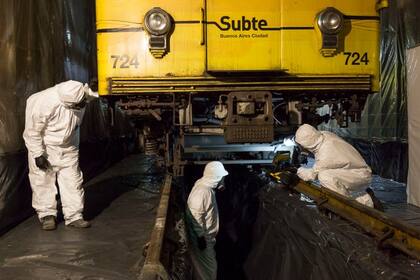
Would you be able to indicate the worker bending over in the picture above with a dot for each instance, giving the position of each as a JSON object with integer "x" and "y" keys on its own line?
{"x": 203, "y": 221}
{"x": 51, "y": 135}
{"x": 338, "y": 165}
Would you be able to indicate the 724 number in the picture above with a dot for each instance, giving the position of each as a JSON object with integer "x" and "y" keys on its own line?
{"x": 355, "y": 58}
{"x": 124, "y": 61}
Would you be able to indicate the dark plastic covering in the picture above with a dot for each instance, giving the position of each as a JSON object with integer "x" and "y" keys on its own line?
{"x": 43, "y": 43}
{"x": 268, "y": 232}
{"x": 410, "y": 11}
{"x": 291, "y": 240}
{"x": 387, "y": 159}
{"x": 122, "y": 204}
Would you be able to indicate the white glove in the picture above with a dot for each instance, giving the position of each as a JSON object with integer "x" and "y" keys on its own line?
{"x": 306, "y": 174}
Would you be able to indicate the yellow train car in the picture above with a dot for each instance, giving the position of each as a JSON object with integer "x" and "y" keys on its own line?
{"x": 248, "y": 68}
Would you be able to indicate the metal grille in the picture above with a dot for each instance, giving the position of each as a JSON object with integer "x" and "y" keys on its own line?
{"x": 249, "y": 134}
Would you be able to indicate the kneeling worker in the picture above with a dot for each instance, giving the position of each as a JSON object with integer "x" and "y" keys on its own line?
{"x": 338, "y": 165}
{"x": 51, "y": 135}
{"x": 203, "y": 221}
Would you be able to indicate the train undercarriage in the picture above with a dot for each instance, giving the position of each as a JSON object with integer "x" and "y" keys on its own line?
{"x": 193, "y": 121}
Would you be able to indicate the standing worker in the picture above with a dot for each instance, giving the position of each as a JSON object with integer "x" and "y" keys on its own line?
{"x": 203, "y": 218}
{"x": 338, "y": 165}
{"x": 51, "y": 135}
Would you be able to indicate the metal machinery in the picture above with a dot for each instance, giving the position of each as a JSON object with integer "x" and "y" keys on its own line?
{"x": 217, "y": 80}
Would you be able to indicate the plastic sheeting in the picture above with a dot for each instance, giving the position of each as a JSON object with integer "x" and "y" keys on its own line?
{"x": 291, "y": 240}
{"x": 268, "y": 233}
{"x": 15, "y": 195}
{"x": 410, "y": 11}
{"x": 30, "y": 61}
{"x": 413, "y": 69}
{"x": 43, "y": 43}
{"x": 385, "y": 113}
{"x": 387, "y": 159}
{"x": 384, "y": 119}
{"x": 122, "y": 203}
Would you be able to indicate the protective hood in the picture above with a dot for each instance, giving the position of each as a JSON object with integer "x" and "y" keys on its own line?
{"x": 308, "y": 137}
{"x": 213, "y": 173}
{"x": 71, "y": 92}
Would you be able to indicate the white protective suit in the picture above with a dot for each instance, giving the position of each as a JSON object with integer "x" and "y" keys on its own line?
{"x": 338, "y": 165}
{"x": 52, "y": 130}
{"x": 203, "y": 220}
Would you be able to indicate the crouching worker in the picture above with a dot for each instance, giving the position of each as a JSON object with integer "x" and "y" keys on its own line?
{"x": 203, "y": 221}
{"x": 51, "y": 135}
{"x": 338, "y": 165}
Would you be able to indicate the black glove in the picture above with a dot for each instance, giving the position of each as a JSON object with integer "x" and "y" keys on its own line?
{"x": 291, "y": 169}
{"x": 42, "y": 163}
{"x": 289, "y": 179}
{"x": 202, "y": 244}
{"x": 302, "y": 158}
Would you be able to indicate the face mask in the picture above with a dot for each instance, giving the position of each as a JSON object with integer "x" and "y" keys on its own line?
{"x": 221, "y": 185}
{"x": 78, "y": 106}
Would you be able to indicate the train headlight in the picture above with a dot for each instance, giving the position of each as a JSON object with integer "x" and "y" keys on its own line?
{"x": 157, "y": 22}
{"x": 330, "y": 21}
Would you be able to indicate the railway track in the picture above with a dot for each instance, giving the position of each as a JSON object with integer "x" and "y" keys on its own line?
{"x": 153, "y": 268}
{"x": 388, "y": 231}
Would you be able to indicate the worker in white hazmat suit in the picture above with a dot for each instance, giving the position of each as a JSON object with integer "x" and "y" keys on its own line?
{"x": 203, "y": 220}
{"x": 51, "y": 135}
{"x": 338, "y": 165}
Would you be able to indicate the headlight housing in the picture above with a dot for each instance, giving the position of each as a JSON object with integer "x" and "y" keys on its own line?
{"x": 157, "y": 22}
{"x": 330, "y": 21}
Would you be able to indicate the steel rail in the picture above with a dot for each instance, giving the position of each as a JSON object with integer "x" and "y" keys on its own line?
{"x": 388, "y": 230}
{"x": 153, "y": 268}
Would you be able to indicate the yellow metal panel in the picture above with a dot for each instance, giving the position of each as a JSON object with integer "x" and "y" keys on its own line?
{"x": 249, "y": 48}
{"x": 289, "y": 39}
{"x": 359, "y": 43}
{"x": 123, "y": 43}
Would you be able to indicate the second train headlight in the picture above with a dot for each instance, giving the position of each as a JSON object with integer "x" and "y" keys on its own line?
{"x": 157, "y": 21}
{"x": 330, "y": 21}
